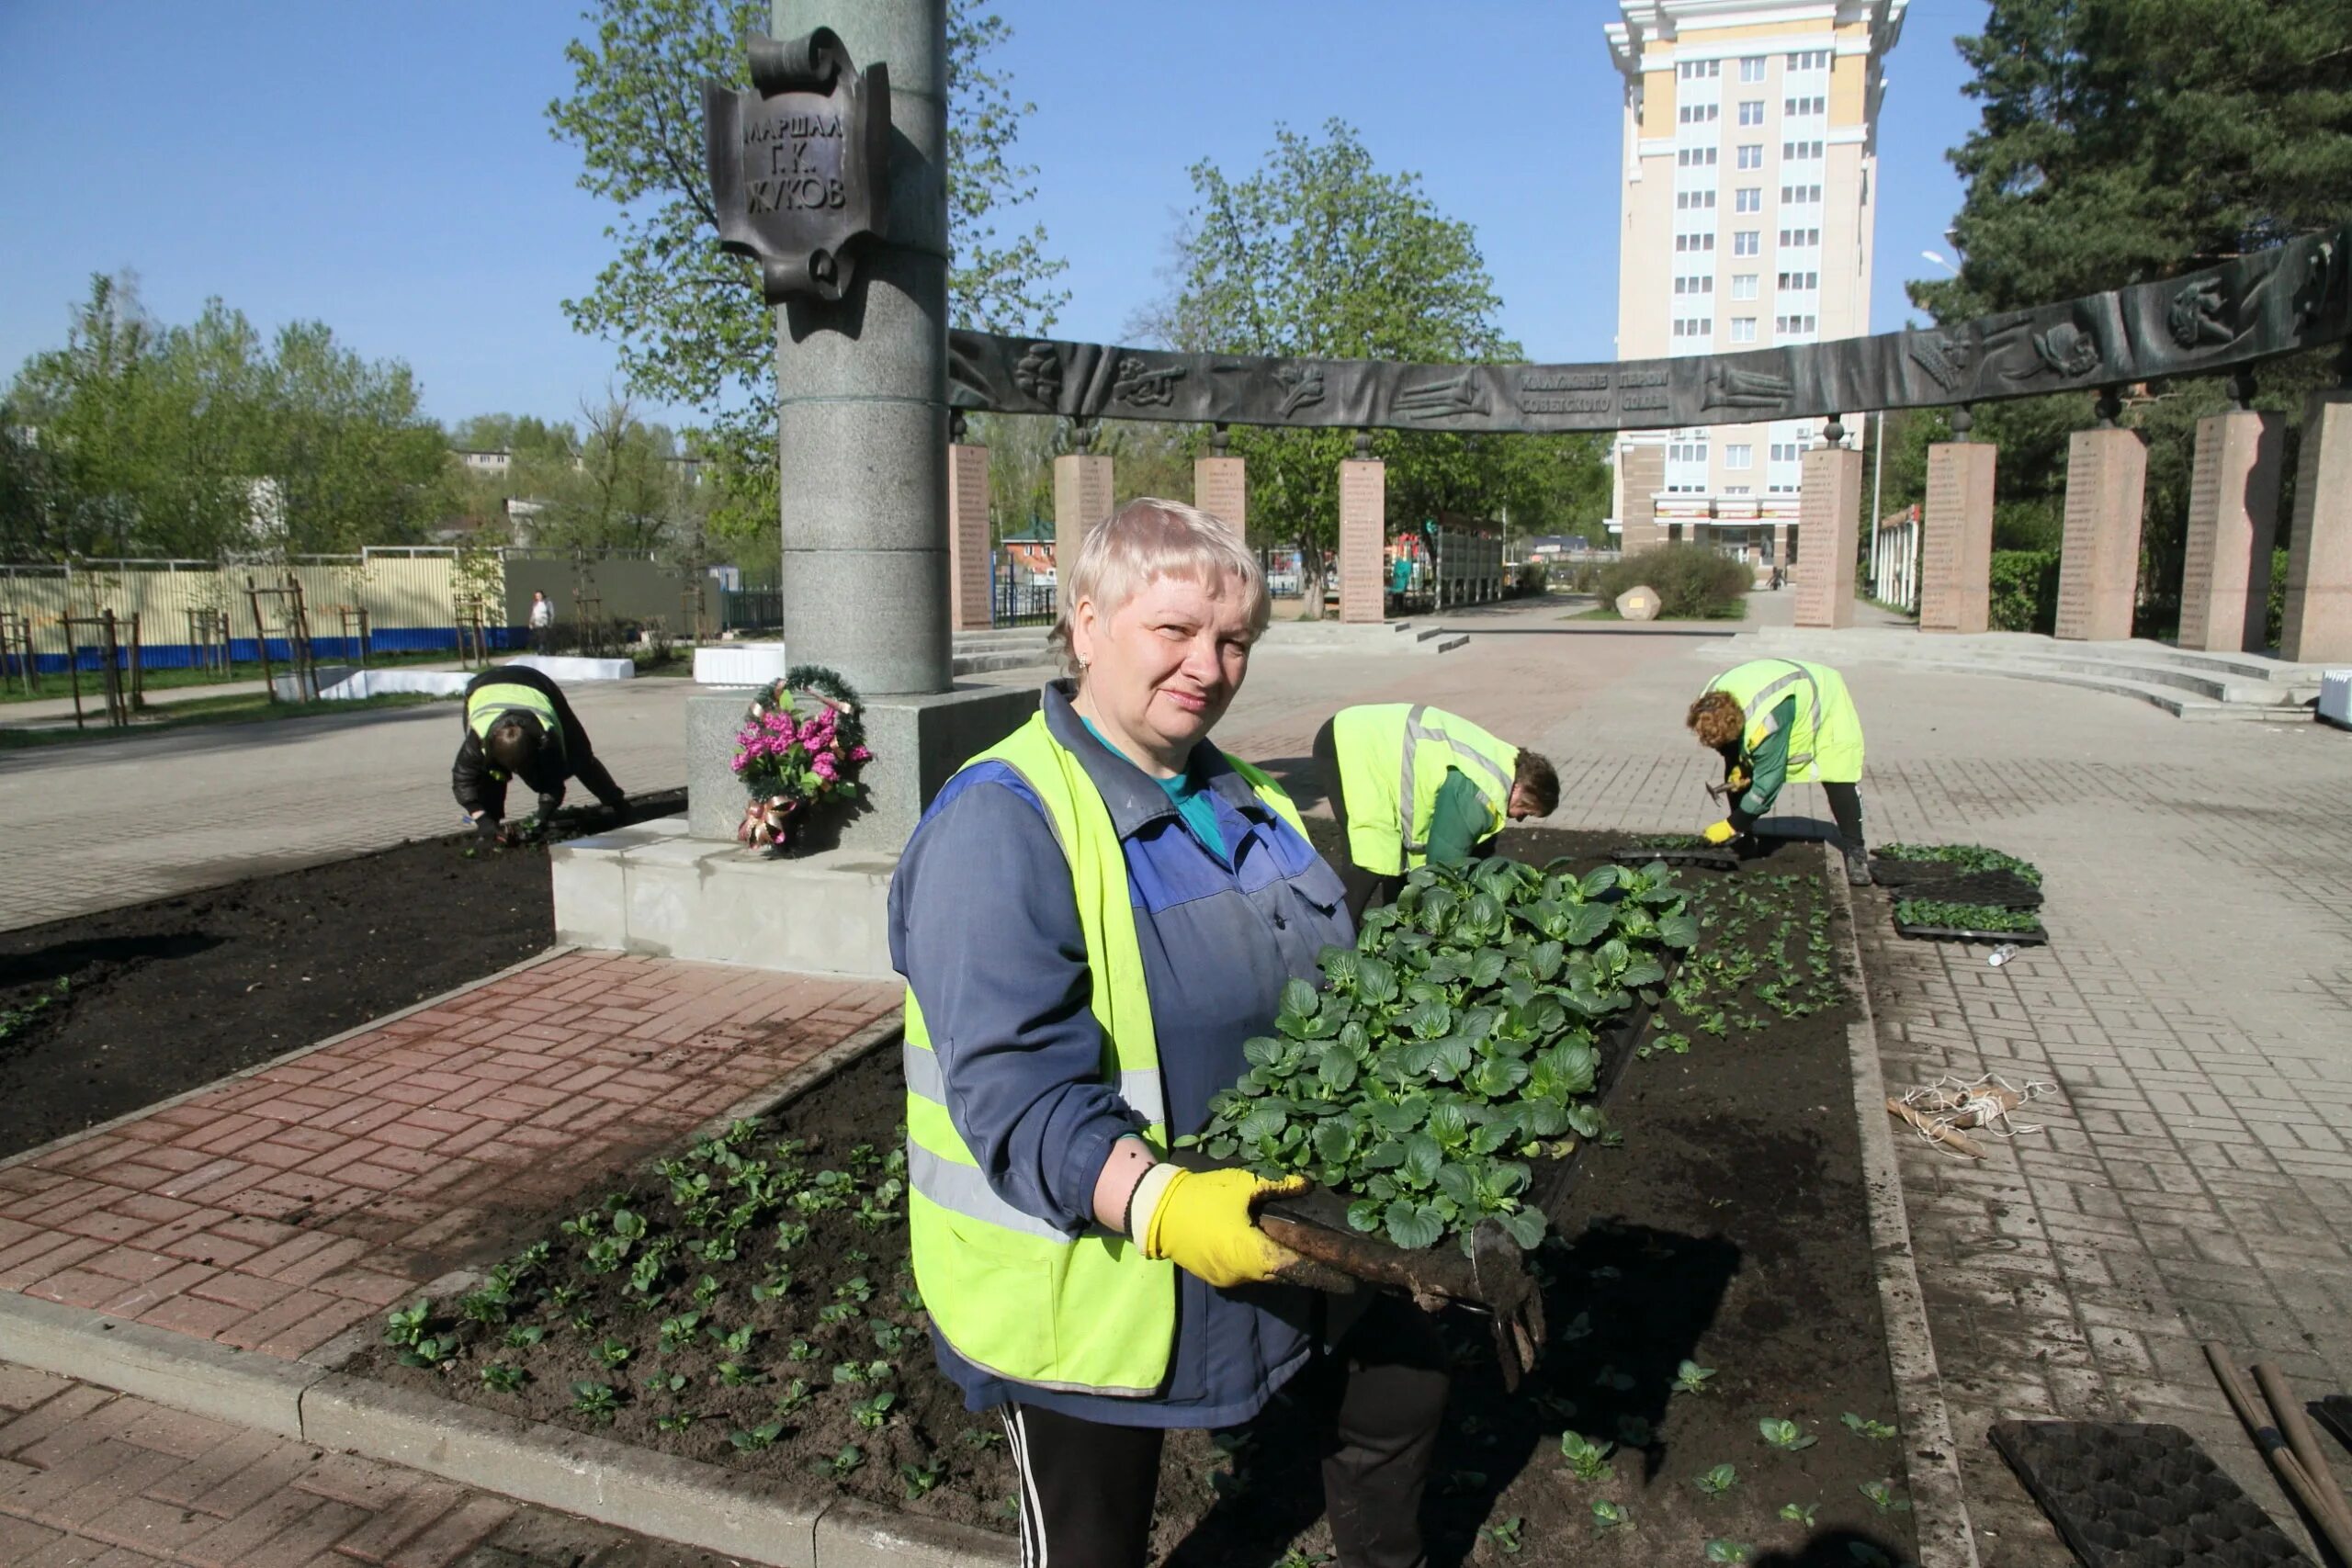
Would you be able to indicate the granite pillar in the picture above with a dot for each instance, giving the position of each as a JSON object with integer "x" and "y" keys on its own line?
{"x": 1081, "y": 499}
{"x": 1780, "y": 546}
{"x": 2098, "y": 561}
{"x": 970, "y": 590}
{"x": 2318, "y": 623}
{"x": 1829, "y": 522}
{"x": 2233, "y": 518}
{"x": 1221, "y": 489}
{"x": 1956, "y": 538}
{"x": 1641, "y": 474}
{"x": 1364, "y": 535}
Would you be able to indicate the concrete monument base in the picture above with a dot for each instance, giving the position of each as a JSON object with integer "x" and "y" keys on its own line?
{"x": 918, "y": 743}
{"x": 1956, "y": 539}
{"x": 654, "y": 888}
{"x": 2318, "y": 620}
{"x": 1829, "y": 523}
{"x": 2233, "y": 518}
{"x": 2098, "y": 559}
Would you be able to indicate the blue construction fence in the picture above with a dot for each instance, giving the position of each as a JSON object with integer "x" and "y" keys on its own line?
{"x": 244, "y": 650}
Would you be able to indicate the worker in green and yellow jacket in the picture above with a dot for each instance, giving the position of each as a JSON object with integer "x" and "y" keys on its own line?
{"x": 1773, "y": 720}
{"x": 1412, "y": 784}
{"x": 518, "y": 725}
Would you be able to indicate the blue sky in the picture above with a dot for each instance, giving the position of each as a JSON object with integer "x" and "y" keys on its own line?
{"x": 387, "y": 169}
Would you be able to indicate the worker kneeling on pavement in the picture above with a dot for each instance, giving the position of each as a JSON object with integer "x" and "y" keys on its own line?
{"x": 1778, "y": 719}
{"x": 1410, "y": 784}
{"x": 519, "y": 727}
{"x": 1092, "y": 917}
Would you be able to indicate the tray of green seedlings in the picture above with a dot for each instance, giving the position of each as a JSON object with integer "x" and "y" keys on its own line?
{"x": 1934, "y": 920}
{"x": 1957, "y": 873}
{"x": 1674, "y": 848}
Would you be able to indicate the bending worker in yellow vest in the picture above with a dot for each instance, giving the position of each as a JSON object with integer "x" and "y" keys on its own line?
{"x": 1777, "y": 719}
{"x": 1410, "y": 784}
{"x": 518, "y": 725}
{"x": 1092, "y": 917}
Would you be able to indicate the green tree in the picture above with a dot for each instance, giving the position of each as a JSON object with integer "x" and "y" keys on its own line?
{"x": 687, "y": 319}
{"x": 2124, "y": 140}
{"x": 1319, "y": 253}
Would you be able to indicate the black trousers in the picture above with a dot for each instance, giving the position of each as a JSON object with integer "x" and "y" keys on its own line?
{"x": 1365, "y": 888}
{"x": 1087, "y": 1488}
{"x": 1845, "y": 807}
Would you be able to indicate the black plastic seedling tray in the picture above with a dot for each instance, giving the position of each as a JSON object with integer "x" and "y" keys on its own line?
{"x": 2124, "y": 1495}
{"x": 2005, "y": 888}
{"x": 1703, "y": 857}
{"x": 1965, "y": 934}
{"x": 2334, "y": 1412}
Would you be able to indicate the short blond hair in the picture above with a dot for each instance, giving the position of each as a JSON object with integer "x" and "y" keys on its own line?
{"x": 1150, "y": 538}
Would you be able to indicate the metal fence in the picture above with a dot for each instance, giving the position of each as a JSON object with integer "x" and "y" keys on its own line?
{"x": 750, "y": 609}
{"x": 1018, "y": 597}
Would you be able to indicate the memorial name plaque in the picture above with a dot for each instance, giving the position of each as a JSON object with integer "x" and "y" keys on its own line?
{"x": 799, "y": 165}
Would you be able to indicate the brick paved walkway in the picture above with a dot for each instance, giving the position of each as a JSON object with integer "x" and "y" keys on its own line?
{"x": 274, "y": 1211}
{"x": 90, "y": 1479}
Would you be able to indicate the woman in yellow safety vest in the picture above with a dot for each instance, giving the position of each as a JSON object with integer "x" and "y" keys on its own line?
{"x": 1091, "y": 917}
{"x": 1777, "y": 719}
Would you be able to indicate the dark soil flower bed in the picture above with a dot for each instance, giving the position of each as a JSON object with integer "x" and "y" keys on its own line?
{"x": 1709, "y": 1278}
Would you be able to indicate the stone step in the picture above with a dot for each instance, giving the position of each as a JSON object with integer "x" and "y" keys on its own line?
{"x": 2213, "y": 686}
{"x": 1005, "y": 636}
{"x": 2173, "y": 700}
{"x": 981, "y": 661}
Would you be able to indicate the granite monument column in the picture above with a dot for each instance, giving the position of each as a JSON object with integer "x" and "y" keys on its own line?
{"x": 2318, "y": 622}
{"x": 1829, "y": 520}
{"x": 2233, "y": 518}
{"x": 971, "y": 591}
{"x": 2098, "y": 558}
{"x": 1364, "y": 535}
{"x": 1956, "y": 538}
{"x": 1082, "y": 494}
{"x": 1221, "y": 486}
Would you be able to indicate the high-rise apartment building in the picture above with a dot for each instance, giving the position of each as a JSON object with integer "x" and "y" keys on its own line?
{"x": 1749, "y": 196}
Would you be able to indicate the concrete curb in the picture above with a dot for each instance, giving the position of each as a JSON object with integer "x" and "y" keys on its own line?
{"x": 1938, "y": 1501}
{"x": 686, "y": 1501}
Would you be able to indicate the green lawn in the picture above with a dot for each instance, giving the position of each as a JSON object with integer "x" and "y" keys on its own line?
{"x": 239, "y": 707}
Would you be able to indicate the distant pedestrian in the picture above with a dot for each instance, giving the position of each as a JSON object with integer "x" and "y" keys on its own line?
{"x": 542, "y": 622}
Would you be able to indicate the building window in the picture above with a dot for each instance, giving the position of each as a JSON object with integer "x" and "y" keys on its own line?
{"x": 1694, "y": 242}
{"x": 1801, "y": 152}
{"x": 1686, "y": 452}
{"x": 1694, "y": 200}
{"x": 1699, "y": 114}
{"x": 1696, "y": 157}
{"x": 1739, "y": 490}
{"x": 1810, "y": 60}
{"x": 1752, "y": 156}
{"x": 1694, "y": 285}
{"x": 1752, "y": 68}
{"x": 1751, "y": 111}
{"x": 1743, "y": 285}
{"x": 1800, "y": 238}
{"x": 1749, "y": 199}
{"x": 1792, "y": 195}
{"x": 1694, "y": 326}
{"x": 1803, "y": 106}
{"x": 1744, "y": 242}
{"x": 1800, "y": 280}
{"x": 1743, "y": 329}
{"x": 1739, "y": 455}
{"x": 1795, "y": 326}
{"x": 1787, "y": 451}
{"x": 1695, "y": 70}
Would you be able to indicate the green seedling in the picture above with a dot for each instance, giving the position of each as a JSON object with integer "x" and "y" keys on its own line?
{"x": 1721, "y": 1551}
{"x": 522, "y": 1336}
{"x": 1609, "y": 1377}
{"x": 845, "y": 1463}
{"x": 500, "y": 1378}
{"x": 1785, "y": 1435}
{"x": 801, "y": 1351}
{"x": 1607, "y": 1516}
{"x": 613, "y": 1352}
{"x": 705, "y": 1290}
{"x": 922, "y": 1479}
{"x": 429, "y": 1351}
{"x": 853, "y": 1372}
{"x": 739, "y": 1342}
{"x": 794, "y": 1399}
{"x": 676, "y": 1421}
{"x": 1882, "y": 1497}
{"x": 678, "y": 1332}
{"x": 584, "y": 1322}
{"x": 1717, "y": 1481}
{"x": 1635, "y": 1431}
{"x": 840, "y": 1312}
{"x": 790, "y": 1234}
{"x": 734, "y": 1374}
{"x": 1692, "y": 1378}
{"x": 888, "y": 1338}
{"x": 980, "y": 1438}
{"x": 1800, "y": 1513}
{"x": 752, "y": 1440}
{"x": 1965, "y": 916}
{"x": 1587, "y": 1460}
{"x": 667, "y": 1382}
{"x": 774, "y": 1286}
{"x": 856, "y": 1288}
{"x": 872, "y": 1413}
{"x": 1300, "y": 1557}
{"x": 599, "y": 1401}
{"x": 1861, "y": 1427}
{"x": 1505, "y": 1534}
{"x": 563, "y": 1298}
{"x": 406, "y": 1326}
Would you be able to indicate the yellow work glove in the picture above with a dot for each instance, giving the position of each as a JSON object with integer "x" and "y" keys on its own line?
{"x": 1204, "y": 1221}
{"x": 1721, "y": 833}
{"x": 1737, "y": 778}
